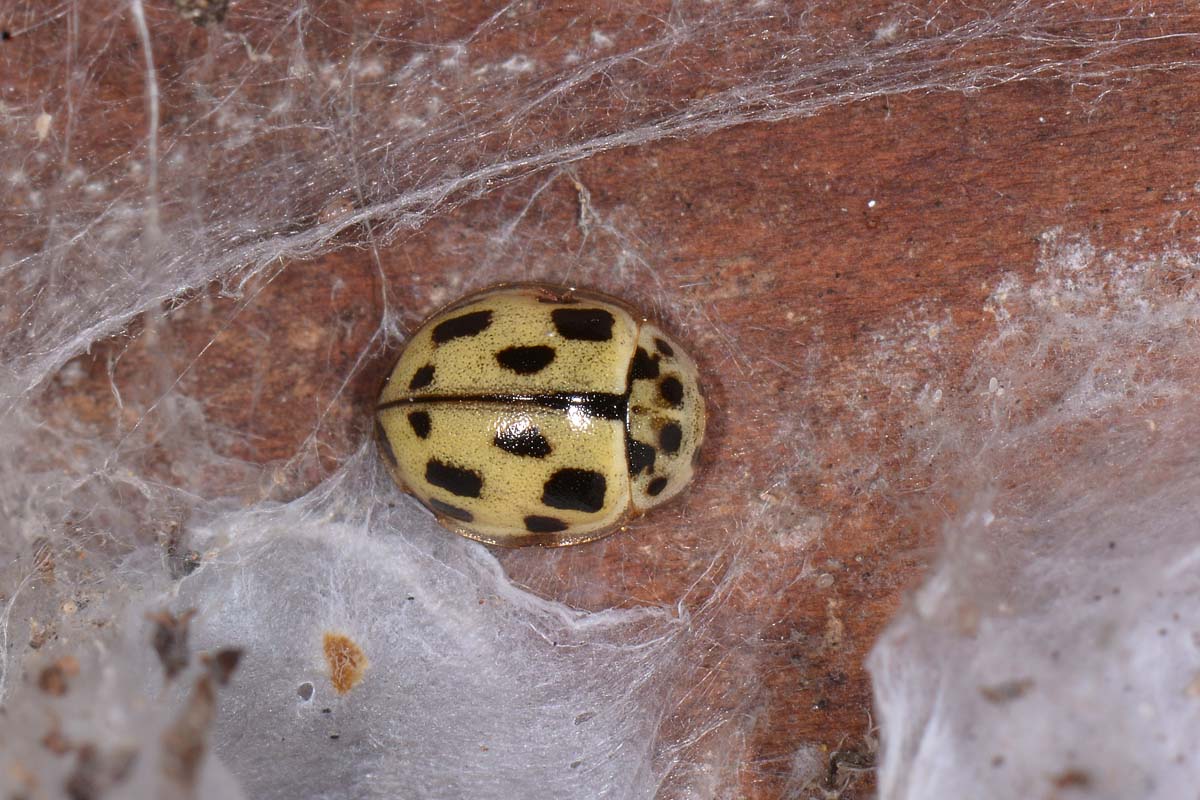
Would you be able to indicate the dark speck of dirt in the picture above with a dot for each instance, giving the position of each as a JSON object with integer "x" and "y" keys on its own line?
{"x": 170, "y": 640}
{"x": 1072, "y": 779}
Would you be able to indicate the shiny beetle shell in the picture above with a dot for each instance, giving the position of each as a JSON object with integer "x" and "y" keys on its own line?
{"x": 533, "y": 414}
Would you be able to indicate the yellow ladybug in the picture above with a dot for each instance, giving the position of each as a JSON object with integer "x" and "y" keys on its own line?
{"x": 537, "y": 414}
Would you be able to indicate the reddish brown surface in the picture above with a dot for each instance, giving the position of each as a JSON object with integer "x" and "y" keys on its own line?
{"x": 771, "y": 261}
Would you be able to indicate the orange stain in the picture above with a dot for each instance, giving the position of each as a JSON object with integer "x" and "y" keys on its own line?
{"x": 347, "y": 661}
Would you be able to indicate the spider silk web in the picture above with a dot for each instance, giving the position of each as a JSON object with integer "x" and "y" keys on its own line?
{"x": 161, "y": 176}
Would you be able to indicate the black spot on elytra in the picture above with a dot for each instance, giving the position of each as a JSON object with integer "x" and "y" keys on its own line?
{"x": 663, "y": 347}
{"x": 536, "y": 524}
{"x": 523, "y": 441}
{"x": 670, "y": 436}
{"x": 575, "y": 489}
{"x": 639, "y": 455}
{"x": 5, "y": 35}
{"x": 453, "y": 512}
{"x": 643, "y": 367}
{"x": 526, "y": 360}
{"x": 671, "y": 390}
{"x": 421, "y": 378}
{"x": 655, "y": 487}
{"x": 459, "y": 481}
{"x": 420, "y": 423}
{"x": 385, "y": 446}
{"x": 583, "y": 324}
{"x": 467, "y": 325}
{"x": 601, "y": 405}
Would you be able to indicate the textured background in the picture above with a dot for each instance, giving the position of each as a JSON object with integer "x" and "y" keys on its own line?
{"x": 833, "y": 261}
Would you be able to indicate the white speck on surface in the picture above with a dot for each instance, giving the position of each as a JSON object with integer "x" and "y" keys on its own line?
{"x": 371, "y": 68}
{"x": 407, "y": 121}
{"x": 72, "y": 373}
{"x": 518, "y": 64}
{"x": 41, "y": 126}
{"x": 601, "y": 39}
{"x": 887, "y": 32}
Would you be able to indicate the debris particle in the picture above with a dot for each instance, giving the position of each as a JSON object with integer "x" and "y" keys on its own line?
{"x": 41, "y": 126}
{"x": 834, "y": 628}
{"x": 334, "y": 210}
{"x": 1007, "y": 691}
{"x": 56, "y": 743}
{"x": 222, "y": 664}
{"x": 181, "y": 561}
{"x": 347, "y": 662}
{"x": 43, "y": 559}
{"x": 39, "y": 635}
{"x": 184, "y": 743}
{"x": 171, "y": 640}
{"x": 203, "y": 12}
{"x": 95, "y": 772}
{"x": 55, "y": 679}
{"x": 845, "y": 763}
{"x": 1072, "y": 779}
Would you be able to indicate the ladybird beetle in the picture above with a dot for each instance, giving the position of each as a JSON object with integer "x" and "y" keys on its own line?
{"x": 530, "y": 414}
